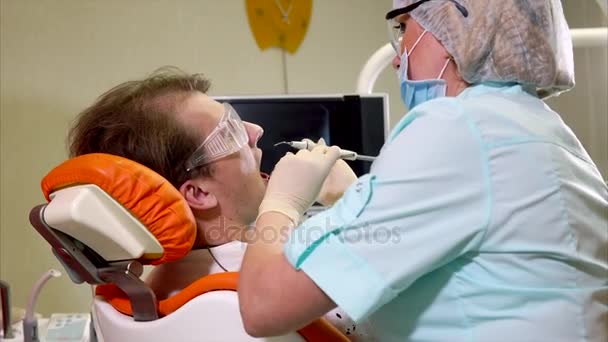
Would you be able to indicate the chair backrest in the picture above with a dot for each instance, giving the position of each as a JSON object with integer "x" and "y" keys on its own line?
{"x": 219, "y": 285}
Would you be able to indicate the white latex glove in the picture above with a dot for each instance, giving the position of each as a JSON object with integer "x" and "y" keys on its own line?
{"x": 340, "y": 177}
{"x": 296, "y": 181}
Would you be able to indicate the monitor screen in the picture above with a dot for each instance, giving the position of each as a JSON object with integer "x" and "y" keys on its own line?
{"x": 354, "y": 122}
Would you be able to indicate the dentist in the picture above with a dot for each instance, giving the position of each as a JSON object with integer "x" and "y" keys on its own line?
{"x": 483, "y": 218}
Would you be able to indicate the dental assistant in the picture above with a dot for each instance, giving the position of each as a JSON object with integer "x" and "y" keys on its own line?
{"x": 482, "y": 219}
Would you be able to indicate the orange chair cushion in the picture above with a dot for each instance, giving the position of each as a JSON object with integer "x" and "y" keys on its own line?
{"x": 147, "y": 195}
{"x": 318, "y": 331}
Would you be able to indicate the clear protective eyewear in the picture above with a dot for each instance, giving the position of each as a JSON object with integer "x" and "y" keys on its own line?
{"x": 395, "y": 34}
{"x": 228, "y": 137}
{"x": 396, "y": 29}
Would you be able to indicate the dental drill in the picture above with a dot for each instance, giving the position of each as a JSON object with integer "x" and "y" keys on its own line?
{"x": 309, "y": 145}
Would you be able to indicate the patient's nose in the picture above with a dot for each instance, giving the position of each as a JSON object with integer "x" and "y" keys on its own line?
{"x": 254, "y": 132}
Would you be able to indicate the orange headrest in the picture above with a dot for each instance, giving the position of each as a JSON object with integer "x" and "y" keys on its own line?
{"x": 146, "y": 194}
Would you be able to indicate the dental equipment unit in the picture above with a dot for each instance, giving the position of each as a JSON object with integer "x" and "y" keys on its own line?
{"x": 309, "y": 145}
{"x": 30, "y": 322}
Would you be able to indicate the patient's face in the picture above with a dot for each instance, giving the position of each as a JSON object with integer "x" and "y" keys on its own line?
{"x": 236, "y": 181}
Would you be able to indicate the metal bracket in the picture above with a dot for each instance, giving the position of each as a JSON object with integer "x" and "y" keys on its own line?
{"x": 126, "y": 277}
{"x": 84, "y": 265}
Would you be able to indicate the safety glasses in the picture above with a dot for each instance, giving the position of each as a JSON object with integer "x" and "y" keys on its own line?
{"x": 396, "y": 28}
{"x": 228, "y": 137}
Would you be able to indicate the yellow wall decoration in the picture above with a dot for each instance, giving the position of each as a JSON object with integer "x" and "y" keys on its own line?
{"x": 280, "y": 23}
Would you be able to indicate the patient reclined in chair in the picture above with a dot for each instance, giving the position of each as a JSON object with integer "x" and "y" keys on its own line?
{"x": 106, "y": 217}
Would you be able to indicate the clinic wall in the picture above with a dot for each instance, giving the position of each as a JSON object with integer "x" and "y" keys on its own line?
{"x": 585, "y": 108}
{"x": 57, "y": 56}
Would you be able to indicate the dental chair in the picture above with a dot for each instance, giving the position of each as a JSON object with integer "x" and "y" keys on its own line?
{"x": 108, "y": 216}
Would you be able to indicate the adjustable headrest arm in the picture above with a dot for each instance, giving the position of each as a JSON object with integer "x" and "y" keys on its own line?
{"x": 79, "y": 267}
{"x": 126, "y": 276}
{"x": 84, "y": 265}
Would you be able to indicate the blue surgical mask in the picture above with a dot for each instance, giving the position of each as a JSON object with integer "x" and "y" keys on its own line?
{"x": 414, "y": 93}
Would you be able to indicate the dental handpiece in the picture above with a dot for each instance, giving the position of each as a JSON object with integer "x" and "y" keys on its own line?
{"x": 309, "y": 145}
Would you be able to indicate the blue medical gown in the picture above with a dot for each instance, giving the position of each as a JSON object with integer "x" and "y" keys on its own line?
{"x": 483, "y": 219}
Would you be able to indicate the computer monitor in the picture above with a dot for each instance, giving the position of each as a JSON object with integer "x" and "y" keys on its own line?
{"x": 355, "y": 122}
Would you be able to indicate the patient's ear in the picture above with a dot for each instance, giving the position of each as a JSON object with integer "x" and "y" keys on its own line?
{"x": 197, "y": 195}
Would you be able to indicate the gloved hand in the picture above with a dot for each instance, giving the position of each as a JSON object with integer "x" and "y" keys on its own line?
{"x": 340, "y": 177}
{"x": 296, "y": 181}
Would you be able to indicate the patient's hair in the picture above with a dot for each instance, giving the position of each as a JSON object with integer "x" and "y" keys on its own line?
{"x": 137, "y": 120}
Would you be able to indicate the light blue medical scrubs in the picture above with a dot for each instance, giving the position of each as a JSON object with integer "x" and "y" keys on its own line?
{"x": 483, "y": 219}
